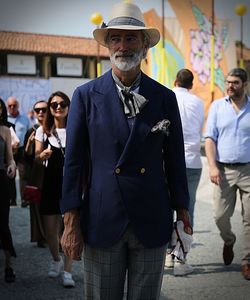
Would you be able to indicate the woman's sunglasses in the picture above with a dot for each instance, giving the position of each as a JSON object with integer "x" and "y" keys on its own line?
{"x": 42, "y": 109}
{"x": 62, "y": 104}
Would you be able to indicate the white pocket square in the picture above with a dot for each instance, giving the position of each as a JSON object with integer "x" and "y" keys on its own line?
{"x": 162, "y": 126}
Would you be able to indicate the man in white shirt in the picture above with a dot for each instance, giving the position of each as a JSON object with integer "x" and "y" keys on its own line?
{"x": 192, "y": 117}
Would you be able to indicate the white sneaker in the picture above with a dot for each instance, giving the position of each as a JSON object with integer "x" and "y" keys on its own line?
{"x": 169, "y": 260}
{"x": 55, "y": 268}
{"x": 67, "y": 279}
{"x": 182, "y": 268}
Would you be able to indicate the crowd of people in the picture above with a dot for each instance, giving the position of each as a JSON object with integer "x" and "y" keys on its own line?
{"x": 128, "y": 170}
{"x": 42, "y": 142}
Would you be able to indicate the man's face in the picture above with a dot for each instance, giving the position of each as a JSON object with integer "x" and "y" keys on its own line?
{"x": 235, "y": 87}
{"x": 40, "y": 110}
{"x": 127, "y": 48}
{"x": 12, "y": 105}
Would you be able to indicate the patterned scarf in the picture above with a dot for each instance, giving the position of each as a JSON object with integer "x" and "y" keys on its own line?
{"x": 133, "y": 102}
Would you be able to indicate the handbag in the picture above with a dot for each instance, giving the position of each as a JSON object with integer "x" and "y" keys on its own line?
{"x": 32, "y": 193}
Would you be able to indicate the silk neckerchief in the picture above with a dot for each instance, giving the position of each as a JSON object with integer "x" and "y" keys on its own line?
{"x": 133, "y": 102}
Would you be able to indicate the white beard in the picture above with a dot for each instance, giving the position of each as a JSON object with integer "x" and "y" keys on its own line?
{"x": 126, "y": 63}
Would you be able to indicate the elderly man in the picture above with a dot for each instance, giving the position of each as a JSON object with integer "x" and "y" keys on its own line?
{"x": 227, "y": 148}
{"x": 125, "y": 142}
{"x": 22, "y": 124}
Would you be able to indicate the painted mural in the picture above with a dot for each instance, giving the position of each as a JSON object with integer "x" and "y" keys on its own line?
{"x": 200, "y": 54}
{"x": 188, "y": 44}
{"x": 27, "y": 91}
{"x": 172, "y": 60}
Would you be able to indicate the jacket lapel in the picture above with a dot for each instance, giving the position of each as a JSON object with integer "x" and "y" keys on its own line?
{"x": 107, "y": 101}
{"x": 145, "y": 120}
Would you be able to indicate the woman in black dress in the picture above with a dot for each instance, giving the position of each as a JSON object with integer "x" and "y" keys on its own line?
{"x": 7, "y": 169}
{"x": 49, "y": 150}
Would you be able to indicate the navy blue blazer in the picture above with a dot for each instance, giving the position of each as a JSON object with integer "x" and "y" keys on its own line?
{"x": 135, "y": 176}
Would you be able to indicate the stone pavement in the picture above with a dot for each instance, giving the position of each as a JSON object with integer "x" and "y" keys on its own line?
{"x": 210, "y": 280}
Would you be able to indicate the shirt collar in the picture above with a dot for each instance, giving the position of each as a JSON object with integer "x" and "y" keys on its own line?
{"x": 181, "y": 89}
{"x": 228, "y": 99}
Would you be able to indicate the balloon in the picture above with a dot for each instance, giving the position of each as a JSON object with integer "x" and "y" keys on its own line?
{"x": 96, "y": 18}
{"x": 240, "y": 10}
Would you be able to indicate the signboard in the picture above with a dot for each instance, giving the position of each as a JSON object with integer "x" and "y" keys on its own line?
{"x": 21, "y": 64}
{"x": 69, "y": 66}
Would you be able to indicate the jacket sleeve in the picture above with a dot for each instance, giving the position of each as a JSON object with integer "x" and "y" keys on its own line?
{"x": 76, "y": 155}
{"x": 174, "y": 157}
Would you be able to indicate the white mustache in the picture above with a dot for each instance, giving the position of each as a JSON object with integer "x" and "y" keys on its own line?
{"x": 124, "y": 54}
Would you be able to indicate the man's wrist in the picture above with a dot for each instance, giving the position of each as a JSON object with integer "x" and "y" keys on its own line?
{"x": 183, "y": 215}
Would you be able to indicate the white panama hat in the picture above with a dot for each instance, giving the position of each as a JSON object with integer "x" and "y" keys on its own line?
{"x": 126, "y": 16}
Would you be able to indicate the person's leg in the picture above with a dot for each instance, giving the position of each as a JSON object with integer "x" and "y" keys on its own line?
{"x": 36, "y": 225}
{"x": 9, "y": 274}
{"x": 104, "y": 271}
{"x": 8, "y": 263}
{"x": 224, "y": 204}
{"x": 193, "y": 179}
{"x": 68, "y": 264}
{"x": 244, "y": 186}
{"x": 5, "y": 234}
{"x": 67, "y": 278}
{"x": 7, "y": 245}
{"x": 145, "y": 270}
{"x": 12, "y": 191}
{"x": 52, "y": 225}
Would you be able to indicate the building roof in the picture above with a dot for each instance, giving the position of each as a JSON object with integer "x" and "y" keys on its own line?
{"x": 60, "y": 44}
{"x": 49, "y": 44}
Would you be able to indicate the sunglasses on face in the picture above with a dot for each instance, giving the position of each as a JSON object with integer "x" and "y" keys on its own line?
{"x": 12, "y": 105}
{"x": 62, "y": 104}
{"x": 41, "y": 109}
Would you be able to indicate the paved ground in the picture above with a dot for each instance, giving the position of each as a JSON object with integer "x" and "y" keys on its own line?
{"x": 210, "y": 280}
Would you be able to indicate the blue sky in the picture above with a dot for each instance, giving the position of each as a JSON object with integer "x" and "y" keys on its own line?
{"x": 72, "y": 17}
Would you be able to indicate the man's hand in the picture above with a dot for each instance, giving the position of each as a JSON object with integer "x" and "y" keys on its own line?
{"x": 11, "y": 170}
{"x": 211, "y": 150}
{"x": 72, "y": 240}
{"x": 183, "y": 215}
{"x": 215, "y": 175}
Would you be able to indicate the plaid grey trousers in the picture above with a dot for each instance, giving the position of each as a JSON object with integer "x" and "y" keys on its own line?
{"x": 105, "y": 270}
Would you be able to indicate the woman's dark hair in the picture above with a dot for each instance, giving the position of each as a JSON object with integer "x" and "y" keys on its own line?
{"x": 4, "y": 115}
{"x": 38, "y": 101}
{"x": 48, "y": 123}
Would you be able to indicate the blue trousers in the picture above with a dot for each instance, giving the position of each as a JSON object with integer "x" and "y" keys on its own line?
{"x": 193, "y": 179}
